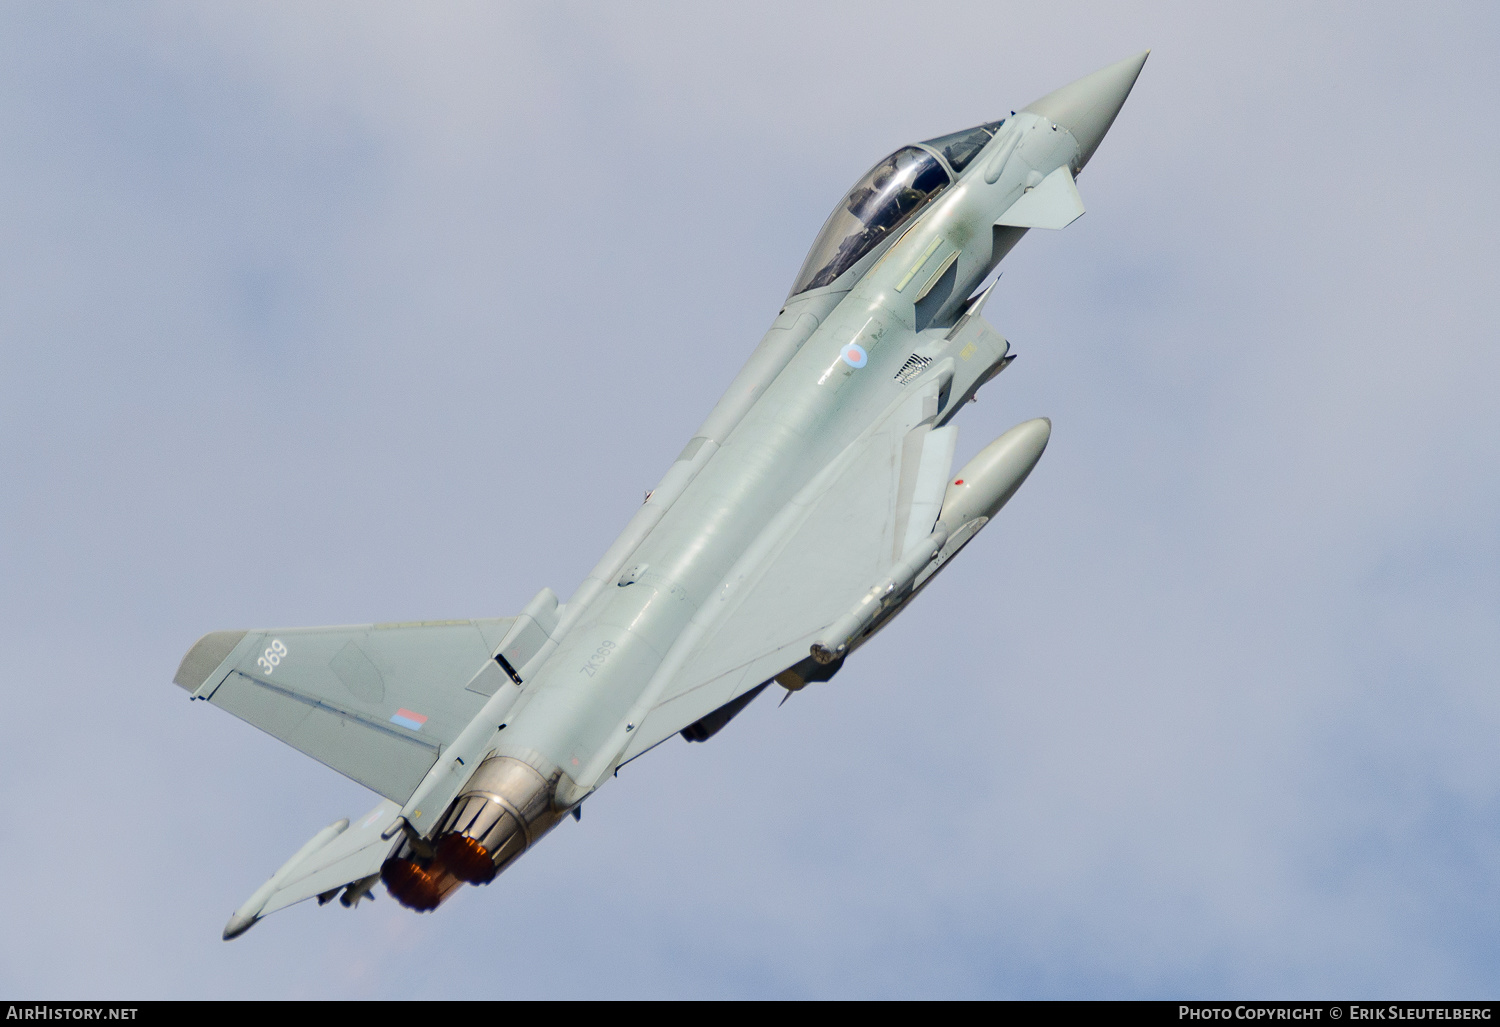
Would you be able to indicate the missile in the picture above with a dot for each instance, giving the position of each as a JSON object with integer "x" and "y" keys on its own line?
{"x": 834, "y": 643}
{"x": 985, "y": 484}
{"x": 363, "y": 888}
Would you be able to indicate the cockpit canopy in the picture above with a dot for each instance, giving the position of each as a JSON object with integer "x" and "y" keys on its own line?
{"x": 880, "y": 202}
{"x": 959, "y": 148}
{"x": 884, "y": 200}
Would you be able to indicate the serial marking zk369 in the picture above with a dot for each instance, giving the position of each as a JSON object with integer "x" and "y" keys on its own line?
{"x": 828, "y": 461}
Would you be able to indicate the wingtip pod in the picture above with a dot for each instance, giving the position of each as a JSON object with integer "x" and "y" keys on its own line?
{"x": 205, "y": 657}
{"x": 987, "y": 482}
{"x": 238, "y": 924}
{"x": 246, "y": 916}
{"x": 1087, "y": 107}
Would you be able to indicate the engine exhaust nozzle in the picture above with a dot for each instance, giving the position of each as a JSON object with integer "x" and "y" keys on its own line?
{"x": 503, "y": 810}
{"x": 415, "y": 886}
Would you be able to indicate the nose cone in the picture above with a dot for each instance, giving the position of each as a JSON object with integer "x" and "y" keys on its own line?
{"x": 1088, "y": 107}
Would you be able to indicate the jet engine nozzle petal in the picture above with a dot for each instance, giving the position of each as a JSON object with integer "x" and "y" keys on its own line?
{"x": 467, "y": 859}
{"x": 499, "y": 813}
{"x": 1087, "y": 107}
{"x": 415, "y": 886}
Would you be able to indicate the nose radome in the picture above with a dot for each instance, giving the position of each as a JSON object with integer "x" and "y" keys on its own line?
{"x": 1088, "y": 107}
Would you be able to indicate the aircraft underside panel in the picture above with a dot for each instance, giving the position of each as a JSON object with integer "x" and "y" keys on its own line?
{"x": 842, "y": 538}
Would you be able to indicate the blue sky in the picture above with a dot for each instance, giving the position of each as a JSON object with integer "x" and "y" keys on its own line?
{"x": 362, "y": 312}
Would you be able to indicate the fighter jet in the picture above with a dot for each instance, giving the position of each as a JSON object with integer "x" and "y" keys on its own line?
{"x": 815, "y": 502}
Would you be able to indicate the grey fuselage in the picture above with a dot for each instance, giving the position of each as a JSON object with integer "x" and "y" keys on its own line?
{"x": 813, "y": 504}
{"x": 793, "y": 408}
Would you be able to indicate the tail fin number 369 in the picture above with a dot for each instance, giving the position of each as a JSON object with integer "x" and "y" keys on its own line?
{"x": 272, "y": 656}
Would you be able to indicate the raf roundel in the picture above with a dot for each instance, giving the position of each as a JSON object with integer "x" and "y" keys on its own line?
{"x": 854, "y": 355}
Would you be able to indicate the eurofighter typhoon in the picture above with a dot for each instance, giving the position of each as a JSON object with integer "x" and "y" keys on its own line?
{"x": 814, "y": 503}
